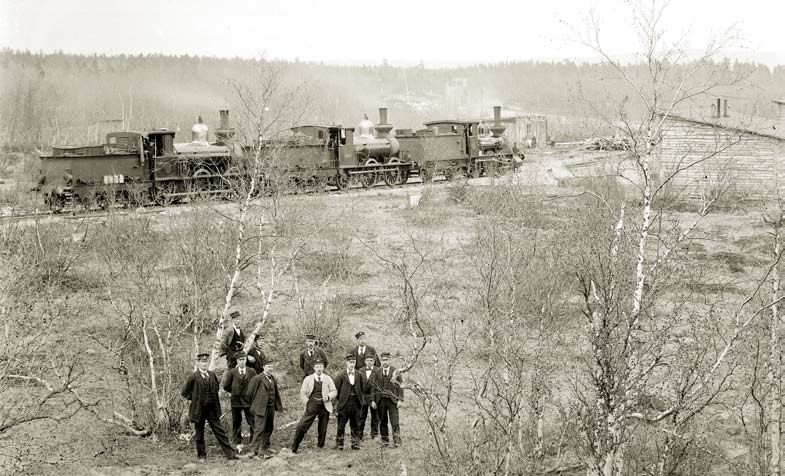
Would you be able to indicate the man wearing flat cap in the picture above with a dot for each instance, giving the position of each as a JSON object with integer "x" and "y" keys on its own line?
{"x": 309, "y": 355}
{"x": 386, "y": 392}
{"x": 350, "y": 385}
{"x": 233, "y": 340}
{"x": 236, "y": 382}
{"x": 363, "y": 350}
{"x": 265, "y": 400}
{"x": 201, "y": 388}
{"x": 316, "y": 392}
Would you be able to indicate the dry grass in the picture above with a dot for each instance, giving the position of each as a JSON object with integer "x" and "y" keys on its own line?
{"x": 360, "y": 294}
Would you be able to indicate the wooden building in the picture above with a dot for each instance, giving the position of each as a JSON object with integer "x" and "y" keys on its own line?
{"x": 525, "y": 130}
{"x": 745, "y": 157}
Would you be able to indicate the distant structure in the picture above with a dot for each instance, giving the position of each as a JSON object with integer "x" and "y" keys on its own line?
{"x": 523, "y": 129}
{"x": 743, "y": 155}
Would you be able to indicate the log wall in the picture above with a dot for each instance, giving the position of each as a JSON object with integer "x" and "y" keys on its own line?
{"x": 711, "y": 158}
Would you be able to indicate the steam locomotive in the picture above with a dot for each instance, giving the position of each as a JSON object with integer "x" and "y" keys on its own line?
{"x": 149, "y": 167}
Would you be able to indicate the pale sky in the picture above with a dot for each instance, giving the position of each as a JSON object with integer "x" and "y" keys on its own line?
{"x": 350, "y": 31}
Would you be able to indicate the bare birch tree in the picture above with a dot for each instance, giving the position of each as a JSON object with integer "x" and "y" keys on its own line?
{"x": 624, "y": 272}
{"x": 267, "y": 108}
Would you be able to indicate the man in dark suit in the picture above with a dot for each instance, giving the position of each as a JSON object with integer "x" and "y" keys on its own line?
{"x": 233, "y": 340}
{"x": 350, "y": 385}
{"x": 362, "y": 350}
{"x": 386, "y": 393}
{"x": 236, "y": 382}
{"x": 310, "y": 354}
{"x": 265, "y": 401}
{"x": 255, "y": 355}
{"x": 201, "y": 388}
{"x": 369, "y": 372}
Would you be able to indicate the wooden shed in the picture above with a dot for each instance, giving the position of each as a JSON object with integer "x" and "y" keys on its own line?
{"x": 525, "y": 130}
{"x": 745, "y": 157}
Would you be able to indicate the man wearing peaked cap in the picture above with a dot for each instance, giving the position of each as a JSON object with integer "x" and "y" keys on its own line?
{"x": 386, "y": 392}
{"x": 310, "y": 354}
{"x": 256, "y": 356}
{"x": 362, "y": 350}
{"x": 233, "y": 339}
{"x": 369, "y": 373}
{"x": 265, "y": 399}
{"x": 316, "y": 392}
{"x": 236, "y": 383}
{"x": 201, "y": 388}
{"x": 350, "y": 385}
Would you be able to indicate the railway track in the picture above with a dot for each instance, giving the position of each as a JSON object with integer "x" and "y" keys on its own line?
{"x": 151, "y": 209}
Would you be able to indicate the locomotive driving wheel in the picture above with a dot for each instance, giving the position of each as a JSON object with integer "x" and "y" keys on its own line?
{"x": 162, "y": 195}
{"x": 55, "y": 201}
{"x": 315, "y": 184}
{"x": 368, "y": 179}
{"x": 201, "y": 183}
{"x": 452, "y": 170}
{"x": 393, "y": 177}
{"x": 342, "y": 181}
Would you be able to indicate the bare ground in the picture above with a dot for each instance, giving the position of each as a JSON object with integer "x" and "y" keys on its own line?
{"x": 733, "y": 244}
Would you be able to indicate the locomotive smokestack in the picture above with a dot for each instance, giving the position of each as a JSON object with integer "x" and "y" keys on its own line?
{"x": 383, "y": 129}
{"x": 497, "y": 129}
{"x": 225, "y": 133}
{"x": 224, "y": 118}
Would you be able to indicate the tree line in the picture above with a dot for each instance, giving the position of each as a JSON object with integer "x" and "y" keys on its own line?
{"x": 68, "y": 99}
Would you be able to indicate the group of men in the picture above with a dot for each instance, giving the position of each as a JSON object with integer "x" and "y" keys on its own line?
{"x": 367, "y": 384}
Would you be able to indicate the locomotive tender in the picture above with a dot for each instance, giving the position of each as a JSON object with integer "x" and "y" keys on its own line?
{"x": 145, "y": 167}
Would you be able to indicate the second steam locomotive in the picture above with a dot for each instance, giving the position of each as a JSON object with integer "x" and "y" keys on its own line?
{"x": 149, "y": 167}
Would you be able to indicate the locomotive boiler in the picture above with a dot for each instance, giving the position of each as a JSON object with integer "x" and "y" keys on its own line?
{"x": 452, "y": 147}
{"x": 149, "y": 167}
{"x": 136, "y": 167}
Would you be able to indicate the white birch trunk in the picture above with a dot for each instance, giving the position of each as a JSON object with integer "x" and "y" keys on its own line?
{"x": 160, "y": 413}
{"x": 774, "y": 374}
{"x": 219, "y": 333}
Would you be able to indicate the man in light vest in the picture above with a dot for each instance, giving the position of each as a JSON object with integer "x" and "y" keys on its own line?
{"x": 317, "y": 392}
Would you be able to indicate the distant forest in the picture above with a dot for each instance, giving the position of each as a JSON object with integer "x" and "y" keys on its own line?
{"x": 67, "y": 99}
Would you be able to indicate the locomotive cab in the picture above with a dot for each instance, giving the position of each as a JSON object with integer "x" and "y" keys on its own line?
{"x": 160, "y": 143}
